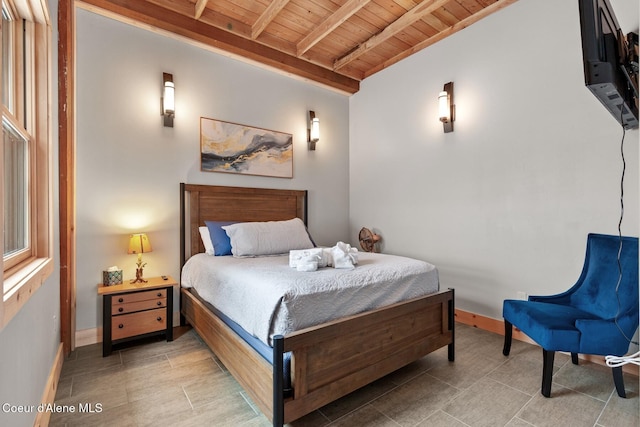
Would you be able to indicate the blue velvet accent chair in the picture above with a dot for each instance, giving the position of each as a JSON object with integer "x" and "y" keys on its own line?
{"x": 593, "y": 317}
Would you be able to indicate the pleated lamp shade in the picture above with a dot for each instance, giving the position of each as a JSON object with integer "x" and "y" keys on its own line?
{"x": 139, "y": 244}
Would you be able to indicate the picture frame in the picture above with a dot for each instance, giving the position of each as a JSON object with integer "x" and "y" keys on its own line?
{"x": 241, "y": 149}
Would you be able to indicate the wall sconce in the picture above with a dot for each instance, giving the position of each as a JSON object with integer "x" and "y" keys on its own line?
{"x": 446, "y": 107}
{"x": 313, "y": 133}
{"x": 168, "y": 100}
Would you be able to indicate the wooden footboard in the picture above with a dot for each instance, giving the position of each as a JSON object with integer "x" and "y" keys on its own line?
{"x": 332, "y": 359}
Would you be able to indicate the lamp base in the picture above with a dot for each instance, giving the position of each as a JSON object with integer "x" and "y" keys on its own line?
{"x": 138, "y": 278}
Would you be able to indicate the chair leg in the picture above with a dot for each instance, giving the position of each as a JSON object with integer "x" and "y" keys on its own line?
{"x": 547, "y": 371}
{"x": 619, "y": 381}
{"x": 508, "y": 331}
{"x": 574, "y": 358}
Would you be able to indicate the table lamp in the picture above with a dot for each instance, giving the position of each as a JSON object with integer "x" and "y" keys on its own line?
{"x": 139, "y": 244}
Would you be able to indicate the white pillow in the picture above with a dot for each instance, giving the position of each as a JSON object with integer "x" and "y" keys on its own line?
{"x": 206, "y": 240}
{"x": 267, "y": 238}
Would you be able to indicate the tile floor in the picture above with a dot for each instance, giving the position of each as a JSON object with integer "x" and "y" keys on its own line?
{"x": 181, "y": 383}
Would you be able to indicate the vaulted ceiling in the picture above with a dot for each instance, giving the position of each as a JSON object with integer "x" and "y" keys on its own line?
{"x": 337, "y": 43}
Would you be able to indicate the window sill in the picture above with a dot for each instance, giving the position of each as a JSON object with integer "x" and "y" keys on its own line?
{"x": 21, "y": 284}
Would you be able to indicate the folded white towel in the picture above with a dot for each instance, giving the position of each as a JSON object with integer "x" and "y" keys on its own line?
{"x": 297, "y": 256}
{"x": 340, "y": 256}
{"x": 327, "y": 258}
{"x": 307, "y": 264}
{"x": 344, "y": 256}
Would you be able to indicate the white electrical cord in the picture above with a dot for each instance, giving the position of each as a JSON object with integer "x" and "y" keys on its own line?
{"x": 615, "y": 361}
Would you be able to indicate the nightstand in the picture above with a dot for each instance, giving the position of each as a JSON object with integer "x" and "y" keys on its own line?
{"x": 136, "y": 310}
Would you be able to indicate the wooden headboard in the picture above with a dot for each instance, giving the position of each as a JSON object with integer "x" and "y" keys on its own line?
{"x": 200, "y": 203}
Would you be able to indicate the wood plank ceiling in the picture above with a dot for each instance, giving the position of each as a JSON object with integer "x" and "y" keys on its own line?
{"x": 337, "y": 43}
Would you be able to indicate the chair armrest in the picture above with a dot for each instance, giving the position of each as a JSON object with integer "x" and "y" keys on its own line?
{"x": 605, "y": 337}
{"x": 563, "y": 298}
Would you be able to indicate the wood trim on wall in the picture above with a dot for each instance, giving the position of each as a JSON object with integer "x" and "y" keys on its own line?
{"x": 489, "y": 324}
{"x": 94, "y": 335}
{"x": 49, "y": 394}
{"x": 67, "y": 184}
{"x": 89, "y": 336}
{"x": 497, "y": 326}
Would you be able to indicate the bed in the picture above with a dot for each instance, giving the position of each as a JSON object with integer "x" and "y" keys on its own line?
{"x": 328, "y": 360}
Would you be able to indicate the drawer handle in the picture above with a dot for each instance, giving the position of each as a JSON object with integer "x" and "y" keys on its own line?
{"x": 120, "y": 326}
{"x": 120, "y": 299}
{"x": 159, "y": 303}
{"x": 159, "y": 294}
{"x": 121, "y": 309}
{"x": 159, "y": 319}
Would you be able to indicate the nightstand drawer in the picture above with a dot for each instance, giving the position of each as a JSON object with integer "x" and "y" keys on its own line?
{"x": 143, "y": 322}
{"x": 139, "y": 296}
{"x": 132, "y": 307}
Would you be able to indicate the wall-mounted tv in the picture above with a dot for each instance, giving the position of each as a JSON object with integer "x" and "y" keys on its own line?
{"x": 610, "y": 61}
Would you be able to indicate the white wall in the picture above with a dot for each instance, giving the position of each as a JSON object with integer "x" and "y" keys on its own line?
{"x": 129, "y": 166}
{"x": 28, "y": 344}
{"x": 504, "y": 203}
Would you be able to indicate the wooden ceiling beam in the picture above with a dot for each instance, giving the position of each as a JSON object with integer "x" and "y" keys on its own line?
{"x": 500, "y": 4}
{"x": 200, "y": 5}
{"x": 151, "y": 16}
{"x": 267, "y": 16}
{"x": 331, "y": 23}
{"x": 422, "y": 9}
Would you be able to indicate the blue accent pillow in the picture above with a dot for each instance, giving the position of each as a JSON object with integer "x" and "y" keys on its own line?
{"x": 219, "y": 238}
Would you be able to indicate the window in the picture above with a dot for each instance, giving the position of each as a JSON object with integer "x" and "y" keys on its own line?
{"x": 24, "y": 154}
{"x": 16, "y": 194}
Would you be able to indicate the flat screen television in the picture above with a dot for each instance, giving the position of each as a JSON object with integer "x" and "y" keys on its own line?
{"x": 610, "y": 61}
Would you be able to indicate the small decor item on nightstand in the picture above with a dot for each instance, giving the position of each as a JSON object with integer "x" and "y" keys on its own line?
{"x": 139, "y": 244}
{"x": 112, "y": 276}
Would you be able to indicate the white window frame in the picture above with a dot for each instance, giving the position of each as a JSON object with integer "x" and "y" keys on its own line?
{"x": 21, "y": 279}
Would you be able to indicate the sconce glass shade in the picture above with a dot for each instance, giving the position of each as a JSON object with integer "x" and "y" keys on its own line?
{"x": 443, "y": 107}
{"x": 169, "y": 98}
{"x": 168, "y": 107}
{"x": 446, "y": 107}
{"x": 315, "y": 130}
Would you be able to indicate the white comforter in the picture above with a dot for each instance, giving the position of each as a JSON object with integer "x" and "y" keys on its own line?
{"x": 267, "y": 297}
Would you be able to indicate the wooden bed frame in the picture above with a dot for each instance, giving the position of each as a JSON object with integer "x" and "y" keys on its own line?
{"x": 329, "y": 360}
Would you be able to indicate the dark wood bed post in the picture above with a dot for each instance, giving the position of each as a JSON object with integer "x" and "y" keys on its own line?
{"x": 452, "y": 326}
{"x": 182, "y": 226}
{"x": 278, "y": 381}
{"x": 183, "y": 249}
